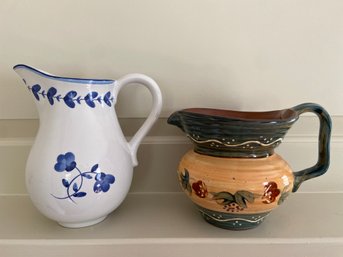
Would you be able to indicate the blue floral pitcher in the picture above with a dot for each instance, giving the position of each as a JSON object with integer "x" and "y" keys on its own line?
{"x": 80, "y": 166}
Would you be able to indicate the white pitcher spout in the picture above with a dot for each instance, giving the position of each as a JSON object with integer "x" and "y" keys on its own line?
{"x": 72, "y": 92}
{"x": 26, "y": 72}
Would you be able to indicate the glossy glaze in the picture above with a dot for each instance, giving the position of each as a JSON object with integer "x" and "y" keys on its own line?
{"x": 233, "y": 174}
{"x": 234, "y": 134}
{"x": 80, "y": 166}
{"x": 235, "y": 186}
{"x": 236, "y": 174}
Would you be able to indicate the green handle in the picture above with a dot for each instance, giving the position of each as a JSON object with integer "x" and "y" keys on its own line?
{"x": 323, "y": 162}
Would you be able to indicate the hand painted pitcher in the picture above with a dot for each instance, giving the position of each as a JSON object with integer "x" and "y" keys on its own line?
{"x": 233, "y": 175}
{"x": 80, "y": 166}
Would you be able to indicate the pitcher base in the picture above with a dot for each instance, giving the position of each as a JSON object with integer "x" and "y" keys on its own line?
{"x": 82, "y": 224}
{"x": 232, "y": 221}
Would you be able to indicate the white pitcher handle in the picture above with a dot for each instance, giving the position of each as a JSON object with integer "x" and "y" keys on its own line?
{"x": 155, "y": 111}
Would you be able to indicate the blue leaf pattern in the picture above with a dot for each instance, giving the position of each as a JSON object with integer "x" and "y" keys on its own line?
{"x": 80, "y": 194}
{"x": 69, "y": 99}
{"x": 35, "y": 89}
{"x": 87, "y": 176}
{"x": 72, "y": 98}
{"x": 75, "y": 188}
{"x": 90, "y": 99}
{"x": 108, "y": 99}
{"x": 65, "y": 182}
{"x": 51, "y": 93}
{"x": 95, "y": 167}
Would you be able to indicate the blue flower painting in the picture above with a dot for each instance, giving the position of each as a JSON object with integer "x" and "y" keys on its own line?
{"x": 66, "y": 162}
{"x": 103, "y": 182}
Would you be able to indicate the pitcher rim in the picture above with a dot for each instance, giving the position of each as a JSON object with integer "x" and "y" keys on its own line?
{"x": 64, "y": 79}
{"x": 282, "y": 115}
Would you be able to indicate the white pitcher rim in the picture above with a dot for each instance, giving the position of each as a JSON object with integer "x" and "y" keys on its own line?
{"x": 64, "y": 79}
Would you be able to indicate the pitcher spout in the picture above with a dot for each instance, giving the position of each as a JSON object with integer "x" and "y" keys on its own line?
{"x": 27, "y": 72}
{"x": 72, "y": 92}
{"x": 175, "y": 119}
{"x": 227, "y": 133}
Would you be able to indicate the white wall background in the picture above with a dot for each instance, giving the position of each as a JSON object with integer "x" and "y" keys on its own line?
{"x": 242, "y": 54}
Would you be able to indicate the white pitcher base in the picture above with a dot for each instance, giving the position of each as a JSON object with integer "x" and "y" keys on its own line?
{"x": 82, "y": 224}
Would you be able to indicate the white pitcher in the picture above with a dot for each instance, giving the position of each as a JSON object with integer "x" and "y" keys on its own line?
{"x": 80, "y": 166}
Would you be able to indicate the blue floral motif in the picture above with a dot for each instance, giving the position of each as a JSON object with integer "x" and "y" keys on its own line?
{"x": 103, "y": 182}
{"x": 66, "y": 162}
{"x": 71, "y": 98}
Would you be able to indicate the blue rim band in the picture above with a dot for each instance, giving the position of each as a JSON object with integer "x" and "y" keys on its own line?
{"x": 66, "y": 79}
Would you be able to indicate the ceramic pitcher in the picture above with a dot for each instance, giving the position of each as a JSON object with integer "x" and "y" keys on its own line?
{"x": 80, "y": 166}
{"x": 233, "y": 174}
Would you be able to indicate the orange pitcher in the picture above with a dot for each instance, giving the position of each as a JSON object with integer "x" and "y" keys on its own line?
{"x": 233, "y": 174}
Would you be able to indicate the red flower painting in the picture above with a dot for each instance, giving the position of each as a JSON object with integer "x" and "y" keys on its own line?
{"x": 200, "y": 189}
{"x": 270, "y": 192}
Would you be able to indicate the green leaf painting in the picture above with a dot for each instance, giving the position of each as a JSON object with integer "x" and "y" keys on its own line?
{"x": 223, "y": 198}
{"x": 284, "y": 194}
{"x": 240, "y": 198}
{"x": 185, "y": 181}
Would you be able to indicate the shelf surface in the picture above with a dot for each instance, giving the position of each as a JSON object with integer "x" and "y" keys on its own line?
{"x": 152, "y": 224}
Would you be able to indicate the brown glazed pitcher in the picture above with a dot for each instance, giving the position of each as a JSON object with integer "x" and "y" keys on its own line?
{"x": 232, "y": 174}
